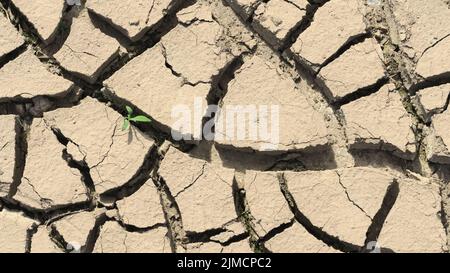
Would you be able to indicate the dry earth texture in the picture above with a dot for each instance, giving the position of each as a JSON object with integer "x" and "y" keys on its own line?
{"x": 364, "y": 154}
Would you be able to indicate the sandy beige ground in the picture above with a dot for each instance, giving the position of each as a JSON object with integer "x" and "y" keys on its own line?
{"x": 362, "y": 158}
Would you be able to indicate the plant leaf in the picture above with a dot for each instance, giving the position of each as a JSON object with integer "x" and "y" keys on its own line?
{"x": 140, "y": 119}
{"x": 129, "y": 110}
{"x": 126, "y": 124}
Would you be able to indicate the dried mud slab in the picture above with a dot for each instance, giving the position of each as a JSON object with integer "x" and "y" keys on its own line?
{"x": 276, "y": 19}
{"x": 42, "y": 243}
{"x": 7, "y": 152}
{"x": 10, "y": 38}
{"x": 114, "y": 239}
{"x": 380, "y": 121}
{"x": 35, "y": 79}
{"x": 414, "y": 223}
{"x": 87, "y": 50}
{"x": 76, "y": 228}
{"x": 177, "y": 73}
{"x": 423, "y": 34}
{"x": 200, "y": 190}
{"x": 334, "y": 25}
{"x": 361, "y": 66}
{"x": 439, "y": 139}
{"x": 296, "y": 239}
{"x": 95, "y": 136}
{"x": 300, "y": 125}
{"x": 433, "y": 63}
{"x": 148, "y": 84}
{"x": 59, "y": 184}
{"x": 143, "y": 208}
{"x": 433, "y": 100}
{"x": 266, "y": 202}
{"x": 270, "y": 211}
{"x": 342, "y": 202}
{"x": 45, "y": 15}
{"x": 144, "y": 14}
{"x": 13, "y": 231}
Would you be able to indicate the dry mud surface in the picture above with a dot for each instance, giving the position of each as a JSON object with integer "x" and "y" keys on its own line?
{"x": 364, "y": 145}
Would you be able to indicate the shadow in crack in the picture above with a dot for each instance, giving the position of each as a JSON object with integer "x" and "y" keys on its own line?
{"x": 374, "y": 230}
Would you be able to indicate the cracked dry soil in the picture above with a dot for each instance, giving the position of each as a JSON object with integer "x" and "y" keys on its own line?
{"x": 363, "y": 89}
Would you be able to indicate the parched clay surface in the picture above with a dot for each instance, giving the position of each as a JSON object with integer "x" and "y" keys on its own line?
{"x": 300, "y": 126}
{"x": 86, "y": 50}
{"x": 380, "y": 121}
{"x": 36, "y": 79}
{"x": 13, "y": 231}
{"x": 10, "y": 37}
{"x": 113, "y": 156}
{"x": 145, "y": 14}
{"x": 44, "y": 15}
{"x": 334, "y": 25}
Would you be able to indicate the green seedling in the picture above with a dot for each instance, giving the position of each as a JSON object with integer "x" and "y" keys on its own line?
{"x": 129, "y": 118}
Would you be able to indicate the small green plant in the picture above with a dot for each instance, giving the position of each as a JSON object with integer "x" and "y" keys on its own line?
{"x": 129, "y": 118}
